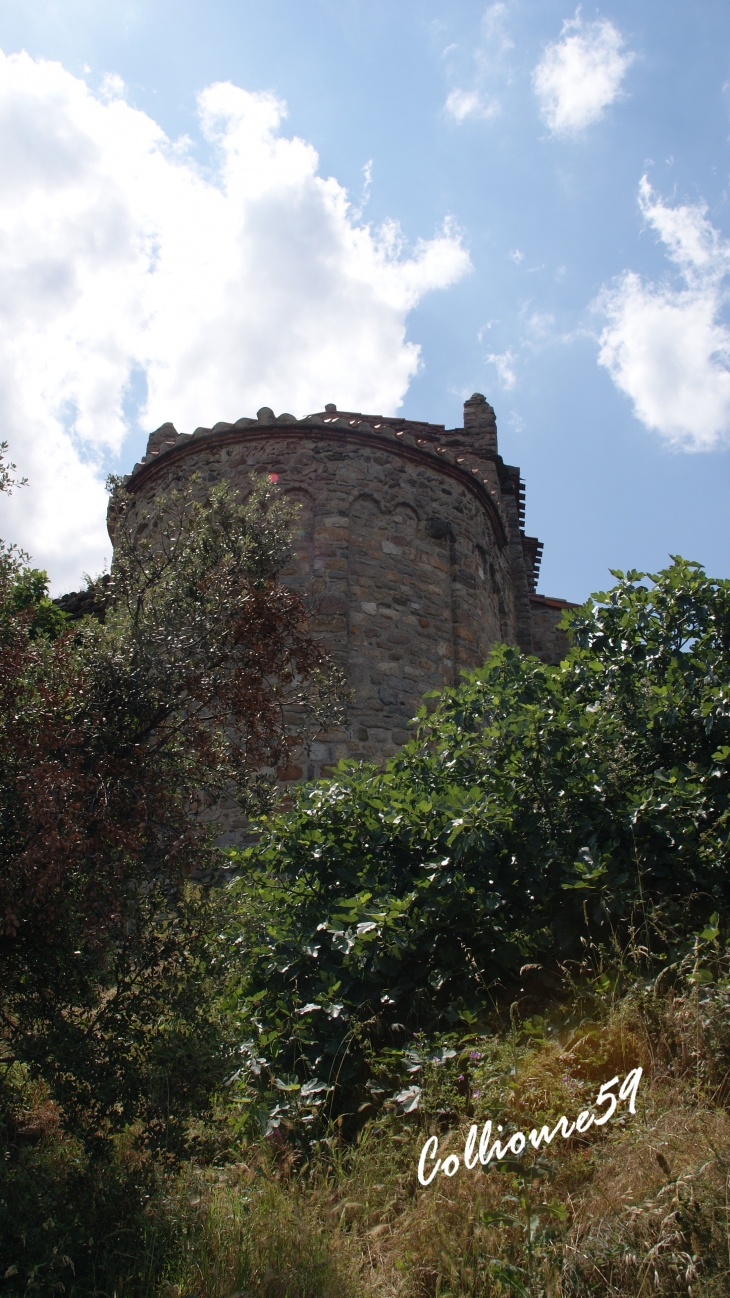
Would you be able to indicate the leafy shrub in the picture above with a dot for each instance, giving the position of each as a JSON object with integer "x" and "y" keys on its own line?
{"x": 116, "y": 739}
{"x": 536, "y": 809}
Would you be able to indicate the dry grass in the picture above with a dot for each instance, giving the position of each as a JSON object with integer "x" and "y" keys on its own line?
{"x": 637, "y": 1209}
{"x": 653, "y": 1219}
{"x": 249, "y": 1235}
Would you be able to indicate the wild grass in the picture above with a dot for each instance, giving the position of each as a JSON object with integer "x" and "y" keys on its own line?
{"x": 639, "y": 1208}
{"x": 643, "y": 1211}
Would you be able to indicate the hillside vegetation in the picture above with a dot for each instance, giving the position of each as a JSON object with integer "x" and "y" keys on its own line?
{"x": 218, "y": 1070}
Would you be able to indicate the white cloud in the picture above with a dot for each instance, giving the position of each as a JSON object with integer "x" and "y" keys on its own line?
{"x": 579, "y": 76}
{"x": 112, "y": 86}
{"x": 118, "y": 256}
{"x": 665, "y": 345}
{"x": 489, "y": 67}
{"x": 504, "y": 365}
{"x": 469, "y": 103}
{"x": 493, "y": 21}
{"x": 540, "y": 326}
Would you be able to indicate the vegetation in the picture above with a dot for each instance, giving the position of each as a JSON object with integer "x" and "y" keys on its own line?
{"x": 642, "y": 1203}
{"x": 117, "y": 741}
{"x": 217, "y": 1069}
{"x": 537, "y": 810}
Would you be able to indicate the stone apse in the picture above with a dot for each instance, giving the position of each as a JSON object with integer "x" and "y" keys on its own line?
{"x": 411, "y": 551}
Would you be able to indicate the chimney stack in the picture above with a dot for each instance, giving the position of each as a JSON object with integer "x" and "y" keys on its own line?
{"x": 480, "y": 423}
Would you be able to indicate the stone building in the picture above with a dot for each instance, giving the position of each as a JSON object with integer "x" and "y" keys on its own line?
{"x": 411, "y": 549}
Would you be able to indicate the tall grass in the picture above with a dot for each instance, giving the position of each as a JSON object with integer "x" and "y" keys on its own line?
{"x": 640, "y": 1208}
{"x": 637, "y": 1209}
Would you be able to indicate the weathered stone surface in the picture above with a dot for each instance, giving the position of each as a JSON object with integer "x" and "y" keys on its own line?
{"x": 549, "y": 642}
{"x": 92, "y": 602}
{"x": 409, "y": 551}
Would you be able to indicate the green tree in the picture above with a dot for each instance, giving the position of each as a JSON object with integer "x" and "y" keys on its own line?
{"x": 117, "y": 742}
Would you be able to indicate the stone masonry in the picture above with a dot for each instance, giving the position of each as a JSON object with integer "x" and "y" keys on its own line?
{"x": 411, "y": 551}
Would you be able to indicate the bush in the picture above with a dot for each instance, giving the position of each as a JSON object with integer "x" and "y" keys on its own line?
{"x": 114, "y": 739}
{"x": 537, "y": 809}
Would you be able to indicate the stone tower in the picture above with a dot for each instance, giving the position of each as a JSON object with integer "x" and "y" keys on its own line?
{"x": 411, "y": 549}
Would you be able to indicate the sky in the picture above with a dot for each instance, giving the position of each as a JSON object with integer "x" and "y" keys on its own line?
{"x": 386, "y": 204}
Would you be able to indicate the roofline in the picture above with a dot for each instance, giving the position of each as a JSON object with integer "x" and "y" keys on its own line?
{"x": 382, "y": 437}
{"x": 552, "y": 601}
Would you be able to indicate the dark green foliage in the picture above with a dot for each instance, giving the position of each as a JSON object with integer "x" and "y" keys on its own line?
{"x": 69, "y": 1223}
{"x": 26, "y": 589}
{"x": 116, "y": 739}
{"x": 125, "y": 1033}
{"x": 372, "y": 934}
{"x": 536, "y": 808}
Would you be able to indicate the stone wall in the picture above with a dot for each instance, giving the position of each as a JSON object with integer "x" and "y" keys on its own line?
{"x": 411, "y": 552}
{"x": 548, "y": 641}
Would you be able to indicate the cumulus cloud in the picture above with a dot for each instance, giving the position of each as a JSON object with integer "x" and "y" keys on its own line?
{"x": 123, "y": 263}
{"x": 579, "y": 76}
{"x": 665, "y": 345}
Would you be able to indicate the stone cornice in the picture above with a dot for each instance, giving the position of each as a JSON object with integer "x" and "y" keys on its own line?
{"x": 381, "y": 437}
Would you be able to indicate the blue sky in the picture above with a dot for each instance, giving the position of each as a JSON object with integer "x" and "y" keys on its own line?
{"x": 209, "y": 207}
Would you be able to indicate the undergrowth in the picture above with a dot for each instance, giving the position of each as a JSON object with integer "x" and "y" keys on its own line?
{"x": 637, "y": 1208}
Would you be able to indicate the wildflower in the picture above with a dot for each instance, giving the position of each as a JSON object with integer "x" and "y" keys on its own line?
{"x": 475, "y": 1054}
